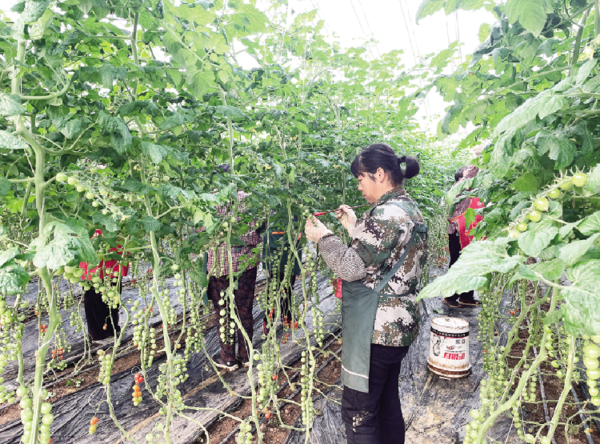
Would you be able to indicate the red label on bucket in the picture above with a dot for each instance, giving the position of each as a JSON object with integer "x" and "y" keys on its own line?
{"x": 454, "y": 356}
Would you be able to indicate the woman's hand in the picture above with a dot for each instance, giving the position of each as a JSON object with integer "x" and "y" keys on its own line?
{"x": 315, "y": 229}
{"x": 347, "y": 217}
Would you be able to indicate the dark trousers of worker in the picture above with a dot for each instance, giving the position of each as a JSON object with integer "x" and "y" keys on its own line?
{"x": 455, "y": 249}
{"x": 376, "y": 417}
{"x": 98, "y": 315}
{"x": 244, "y": 300}
{"x": 285, "y": 300}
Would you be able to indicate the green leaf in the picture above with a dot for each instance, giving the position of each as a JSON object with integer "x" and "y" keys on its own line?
{"x": 120, "y": 136}
{"x": 484, "y": 32}
{"x": 428, "y": 7}
{"x": 567, "y": 229}
{"x": 531, "y": 14}
{"x": 572, "y": 252}
{"x": 581, "y": 312}
{"x": 470, "y": 216}
{"x": 593, "y": 183}
{"x": 150, "y": 224}
{"x": 473, "y": 268}
{"x": 230, "y": 111}
{"x": 8, "y": 255}
{"x": 551, "y": 270}
{"x": 62, "y": 245}
{"x": 558, "y": 148}
{"x": 501, "y": 155}
{"x": 107, "y": 74}
{"x": 173, "y": 120}
{"x": 584, "y": 71}
{"x": 544, "y": 104}
{"x": 10, "y": 105}
{"x": 13, "y": 278}
{"x": 10, "y": 142}
{"x": 71, "y": 128}
{"x": 198, "y": 215}
{"x": 5, "y": 186}
{"x": 590, "y": 224}
{"x": 34, "y": 10}
{"x": 200, "y": 82}
{"x": 106, "y": 220}
{"x": 537, "y": 238}
{"x": 135, "y": 186}
{"x": 527, "y": 182}
{"x": 585, "y": 274}
{"x": 555, "y": 317}
{"x": 156, "y": 152}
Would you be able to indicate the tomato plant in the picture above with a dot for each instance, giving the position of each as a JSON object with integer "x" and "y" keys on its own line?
{"x": 529, "y": 91}
{"x": 114, "y": 115}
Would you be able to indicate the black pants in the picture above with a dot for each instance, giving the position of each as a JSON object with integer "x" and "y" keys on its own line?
{"x": 98, "y": 314}
{"x": 244, "y": 300}
{"x": 376, "y": 417}
{"x": 455, "y": 249}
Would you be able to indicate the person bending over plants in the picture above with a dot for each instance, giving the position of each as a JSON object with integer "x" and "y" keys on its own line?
{"x": 381, "y": 270}
{"x": 102, "y": 316}
{"x": 458, "y": 234}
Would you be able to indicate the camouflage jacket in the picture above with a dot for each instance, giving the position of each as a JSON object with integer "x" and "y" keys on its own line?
{"x": 379, "y": 239}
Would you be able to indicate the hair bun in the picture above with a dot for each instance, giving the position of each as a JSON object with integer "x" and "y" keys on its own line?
{"x": 412, "y": 167}
{"x": 402, "y": 159}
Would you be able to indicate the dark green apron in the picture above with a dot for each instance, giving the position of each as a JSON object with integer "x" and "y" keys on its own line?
{"x": 359, "y": 308}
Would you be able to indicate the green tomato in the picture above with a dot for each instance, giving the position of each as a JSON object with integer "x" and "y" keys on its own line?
{"x": 27, "y": 414}
{"x": 514, "y": 234}
{"x": 566, "y": 185}
{"x": 594, "y": 391}
{"x": 591, "y": 363}
{"x": 593, "y": 374}
{"x": 48, "y": 418}
{"x": 95, "y": 204}
{"x": 71, "y": 181}
{"x": 61, "y": 177}
{"x": 579, "y": 180}
{"x": 545, "y": 440}
{"x": 554, "y": 194}
{"x": 596, "y": 339}
{"x": 522, "y": 227}
{"x": 596, "y": 401}
{"x": 541, "y": 204}
{"x": 591, "y": 351}
{"x": 560, "y": 374}
{"x": 25, "y": 403}
{"x": 535, "y": 216}
{"x": 89, "y": 195}
{"x": 21, "y": 391}
{"x": 80, "y": 188}
{"x": 46, "y": 408}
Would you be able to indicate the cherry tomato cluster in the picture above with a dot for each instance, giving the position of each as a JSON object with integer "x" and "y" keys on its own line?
{"x": 137, "y": 392}
{"x": 93, "y": 425}
{"x": 43, "y": 328}
{"x": 57, "y": 353}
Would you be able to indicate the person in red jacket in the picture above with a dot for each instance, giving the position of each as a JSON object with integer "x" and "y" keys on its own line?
{"x": 458, "y": 234}
{"x": 102, "y": 321}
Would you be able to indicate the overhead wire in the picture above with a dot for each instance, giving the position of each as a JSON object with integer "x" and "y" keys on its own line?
{"x": 361, "y": 26}
{"x": 458, "y": 35}
{"x": 412, "y": 49}
{"x": 368, "y": 25}
{"x": 408, "y": 32}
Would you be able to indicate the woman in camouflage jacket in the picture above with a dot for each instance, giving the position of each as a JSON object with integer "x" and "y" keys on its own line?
{"x": 383, "y": 263}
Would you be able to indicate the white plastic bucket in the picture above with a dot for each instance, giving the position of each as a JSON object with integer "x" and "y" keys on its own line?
{"x": 449, "y": 347}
